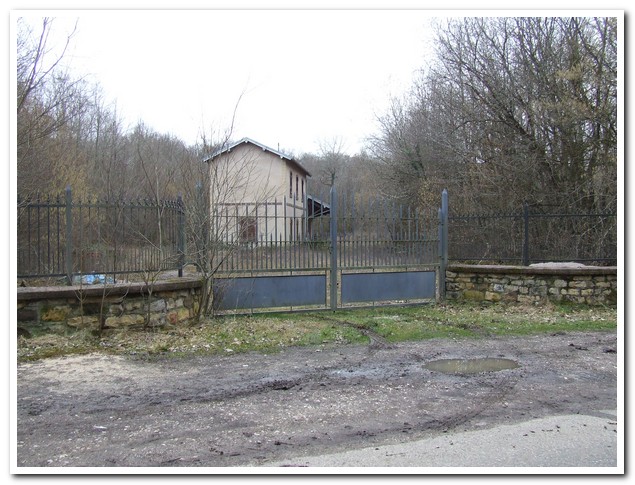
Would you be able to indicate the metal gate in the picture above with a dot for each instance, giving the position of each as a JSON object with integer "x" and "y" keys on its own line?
{"x": 340, "y": 254}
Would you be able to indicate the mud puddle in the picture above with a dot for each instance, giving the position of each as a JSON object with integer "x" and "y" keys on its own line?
{"x": 471, "y": 366}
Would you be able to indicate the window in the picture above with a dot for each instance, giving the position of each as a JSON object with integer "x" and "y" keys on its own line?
{"x": 248, "y": 229}
{"x": 302, "y": 189}
{"x": 290, "y": 184}
{"x": 296, "y": 187}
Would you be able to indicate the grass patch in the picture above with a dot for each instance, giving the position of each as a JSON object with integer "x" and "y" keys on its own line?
{"x": 272, "y": 332}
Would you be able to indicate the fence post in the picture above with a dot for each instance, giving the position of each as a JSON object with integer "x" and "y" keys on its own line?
{"x": 181, "y": 235}
{"x": 526, "y": 234}
{"x": 333, "y": 246}
{"x": 69, "y": 236}
{"x": 443, "y": 242}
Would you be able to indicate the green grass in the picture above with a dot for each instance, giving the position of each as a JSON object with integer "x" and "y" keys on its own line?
{"x": 465, "y": 320}
{"x": 272, "y": 332}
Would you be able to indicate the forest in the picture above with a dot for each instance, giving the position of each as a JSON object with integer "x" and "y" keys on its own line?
{"x": 510, "y": 110}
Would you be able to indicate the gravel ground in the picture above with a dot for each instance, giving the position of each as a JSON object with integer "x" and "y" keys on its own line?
{"x": 251, "y": 410}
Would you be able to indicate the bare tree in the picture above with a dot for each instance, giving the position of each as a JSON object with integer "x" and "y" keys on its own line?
{"x": 33, "y": 68}
{"x": 214, "y": 191}
{"x": 512, "y": 110}
{"x": 48, "y": 99}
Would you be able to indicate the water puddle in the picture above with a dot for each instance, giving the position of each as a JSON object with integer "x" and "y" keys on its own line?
{"x": 471, "y": 366}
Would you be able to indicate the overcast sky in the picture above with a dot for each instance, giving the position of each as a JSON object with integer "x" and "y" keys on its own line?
{"x": 299, "y": 78}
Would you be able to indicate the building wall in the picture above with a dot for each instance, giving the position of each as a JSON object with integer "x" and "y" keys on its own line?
{"x": 257, "y": 195}
{"x": 246, "y": 174}
{"x": 527, "y": 284}
{"x": 68, "y": 308}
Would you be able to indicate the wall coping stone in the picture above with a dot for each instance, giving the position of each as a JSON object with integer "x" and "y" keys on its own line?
{"x": 534, "y": 270}
{"x": 118, "y": 289}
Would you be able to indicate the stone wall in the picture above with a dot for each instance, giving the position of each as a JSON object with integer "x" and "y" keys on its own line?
{"x": 593, "y": 285}
{"x": 64, "y": 308}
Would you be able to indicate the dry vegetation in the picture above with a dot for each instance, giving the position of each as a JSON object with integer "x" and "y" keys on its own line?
{"x": 272, "y": 332}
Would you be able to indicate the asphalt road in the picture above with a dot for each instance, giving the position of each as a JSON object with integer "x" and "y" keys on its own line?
{"x": 580, "y": 441}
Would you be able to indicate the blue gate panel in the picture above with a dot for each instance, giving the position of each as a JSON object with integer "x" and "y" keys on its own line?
{"x": 269, "y": 291}
{"x": 388, "y": 286}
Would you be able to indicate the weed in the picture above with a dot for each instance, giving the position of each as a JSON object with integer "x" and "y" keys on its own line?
{"x": 272, "y": 332}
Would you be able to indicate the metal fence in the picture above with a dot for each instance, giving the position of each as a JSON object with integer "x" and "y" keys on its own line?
{"x": 65, "y": 238}
{"x": 345, "y": 252}
{"x": 534, "y": 234}
{"x": 370, "y": 234}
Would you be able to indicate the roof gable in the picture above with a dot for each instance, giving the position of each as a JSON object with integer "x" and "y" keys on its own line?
{"x": 230, "y": 147}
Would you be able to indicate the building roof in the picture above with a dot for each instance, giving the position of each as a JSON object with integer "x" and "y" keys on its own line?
{"x": 316, "y": 207}
{"x": 226, "y": 148}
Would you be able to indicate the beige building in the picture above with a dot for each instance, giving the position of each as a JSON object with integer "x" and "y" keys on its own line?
{"x": 258, "y": 194}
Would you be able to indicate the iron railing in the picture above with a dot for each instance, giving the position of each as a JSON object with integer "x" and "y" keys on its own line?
{"x": 281, "y": 236}
{"x": 66, "y": 238}
{"x": 534, "y": 234}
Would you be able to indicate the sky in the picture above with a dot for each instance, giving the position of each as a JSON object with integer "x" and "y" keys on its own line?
{"x": 296, "y": 80}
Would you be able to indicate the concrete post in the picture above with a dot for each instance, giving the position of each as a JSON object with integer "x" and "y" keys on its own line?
{"x": 333, "y": 247}
{"x": 68, "y": 259}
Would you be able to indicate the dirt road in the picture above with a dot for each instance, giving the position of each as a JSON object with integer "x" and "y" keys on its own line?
{"x": 254, "y": 409}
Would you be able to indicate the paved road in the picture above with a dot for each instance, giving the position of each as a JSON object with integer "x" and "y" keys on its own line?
{"x": 558, "y": 441}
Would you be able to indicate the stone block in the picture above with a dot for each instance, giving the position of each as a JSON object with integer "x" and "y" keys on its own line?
{"x": 83, "y": 322}
{"x": 538, "y": 291}
{"x": 178, "y": 315}
{"x": 125, "y": 321}
{"x": 525, "y": 299}
{"x": 492, "y": 279}
{"x": 492, "y": 296}
{"x": 132, "y": 305}
{"x": 579, "y": 284}
{"x": 93, "y": 308}
{"x": 158, "y": 306}
{"x": 27, "y": 315}
{"x": 55, "y": 314}
{"x": 473, "y": 295}
{"x": 116, "y": 309}
{"x": 157, "y": 319}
